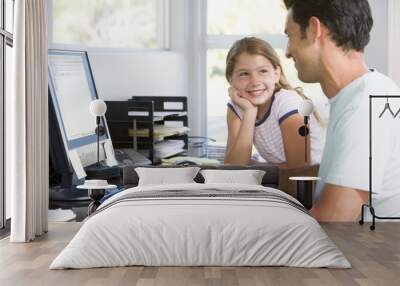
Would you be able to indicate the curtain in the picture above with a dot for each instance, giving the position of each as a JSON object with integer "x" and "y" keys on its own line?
{"x": 28, "y": 123}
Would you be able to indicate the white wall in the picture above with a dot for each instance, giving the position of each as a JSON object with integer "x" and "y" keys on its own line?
{"x": 376, "y": 54}
{"x": 120, "y": 75}
{"x": 382, "y": 52}
{"x": 394, "y": 40}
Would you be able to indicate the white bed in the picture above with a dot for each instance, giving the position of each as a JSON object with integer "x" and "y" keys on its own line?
{"x": 224, "y": 225}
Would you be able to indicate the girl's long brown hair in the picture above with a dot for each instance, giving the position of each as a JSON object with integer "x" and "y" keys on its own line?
{"x": 256, "y": 46}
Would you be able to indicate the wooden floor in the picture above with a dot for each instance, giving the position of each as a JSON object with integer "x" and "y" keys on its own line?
{"x": 375, "y": 257}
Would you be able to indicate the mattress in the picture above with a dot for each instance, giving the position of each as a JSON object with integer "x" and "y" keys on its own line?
{"x": 200, "y": 225}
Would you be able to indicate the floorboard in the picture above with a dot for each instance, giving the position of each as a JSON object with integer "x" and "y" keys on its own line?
{"x": 374, "y": 255}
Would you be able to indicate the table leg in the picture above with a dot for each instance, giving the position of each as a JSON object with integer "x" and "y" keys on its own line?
{"x": 95, "y": 195}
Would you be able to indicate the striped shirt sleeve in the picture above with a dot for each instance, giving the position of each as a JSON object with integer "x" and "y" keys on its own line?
{"x": 236, "y": 109}
{"x": 287, "y": 104}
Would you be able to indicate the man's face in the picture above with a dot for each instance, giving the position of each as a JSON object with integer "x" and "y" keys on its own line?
{"x": 302, "y": 50}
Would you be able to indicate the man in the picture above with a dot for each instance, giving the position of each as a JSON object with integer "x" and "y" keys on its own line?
{"x": 326, "y": 40}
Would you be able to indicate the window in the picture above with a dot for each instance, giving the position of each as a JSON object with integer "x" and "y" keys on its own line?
{"x": 6, "y": 42}
{"x": 110, "y": 23}
{"x": 242, "y": 17}
{"x": 228, "y": 21}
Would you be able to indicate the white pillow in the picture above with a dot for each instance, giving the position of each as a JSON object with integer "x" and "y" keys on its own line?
{"x": 249, "y": 177}
{"x": 166, "y": 176}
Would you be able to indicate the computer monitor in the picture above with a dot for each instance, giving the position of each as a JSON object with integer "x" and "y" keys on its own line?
{"x": 73, "y": 140}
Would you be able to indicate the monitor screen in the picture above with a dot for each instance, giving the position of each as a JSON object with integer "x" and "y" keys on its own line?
{"x": 72, "y": 88}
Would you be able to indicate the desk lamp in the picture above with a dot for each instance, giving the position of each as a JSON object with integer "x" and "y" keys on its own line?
{"x": 305, "y": 109}
{"x": 98, "y": 108}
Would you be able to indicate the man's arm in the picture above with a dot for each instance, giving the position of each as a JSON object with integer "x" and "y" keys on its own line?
{"x": 339, "y": 204}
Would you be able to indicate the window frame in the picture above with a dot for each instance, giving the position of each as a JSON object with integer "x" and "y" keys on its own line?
{"x": 163, "y": 31}
{"x": 6, "y": 39}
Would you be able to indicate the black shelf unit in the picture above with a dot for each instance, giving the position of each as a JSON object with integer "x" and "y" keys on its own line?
{"x": 143, "y": 112}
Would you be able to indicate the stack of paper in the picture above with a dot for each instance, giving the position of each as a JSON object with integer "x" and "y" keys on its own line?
{"x": 160, "y": 131}
{"x": 168, "y": 148}
{"x": 195, "y": 160}
{"x": 158, "y": 115}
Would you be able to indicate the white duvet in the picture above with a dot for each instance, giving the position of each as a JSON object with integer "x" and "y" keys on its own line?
{"x": 183, "y": 231}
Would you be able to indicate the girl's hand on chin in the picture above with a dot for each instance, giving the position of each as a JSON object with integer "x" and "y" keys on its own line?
{"x": 242, "y": 102}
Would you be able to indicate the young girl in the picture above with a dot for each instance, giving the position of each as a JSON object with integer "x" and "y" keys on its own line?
{"x": 264, "y": 110}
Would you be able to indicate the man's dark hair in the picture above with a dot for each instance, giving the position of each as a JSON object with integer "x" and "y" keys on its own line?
{"x": 349, "y": 21}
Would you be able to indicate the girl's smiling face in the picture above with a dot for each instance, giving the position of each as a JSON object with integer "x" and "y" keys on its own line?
{"x": 254, "y": 77}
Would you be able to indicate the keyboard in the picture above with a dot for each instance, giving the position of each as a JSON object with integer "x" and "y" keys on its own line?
{"x": 215, "y": 152}
{"x": 130, "y": 157}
